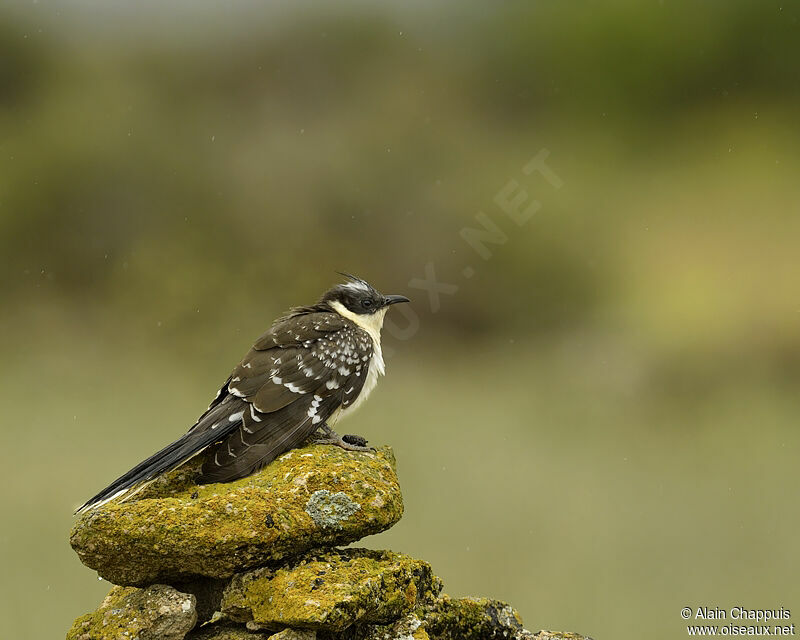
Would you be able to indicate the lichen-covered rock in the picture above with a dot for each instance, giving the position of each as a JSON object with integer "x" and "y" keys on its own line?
{"x": 225, "y": 632}
{"x": 174, "y": 529}
{"x": 331, "y": 590}
{"x": 156, "y": 613}
{"x": 409, "y": 627}
{"x": 295, "y": 634}
{"x": 207, "y": 593}
{"x": 448, "y": 619}
{"x": 473, "y": 619}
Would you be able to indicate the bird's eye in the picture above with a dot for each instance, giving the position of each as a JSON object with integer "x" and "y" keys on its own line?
{"x": 366, "y": 303}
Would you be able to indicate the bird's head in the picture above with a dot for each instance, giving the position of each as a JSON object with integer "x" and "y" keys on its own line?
{"x": 358, "y": 297}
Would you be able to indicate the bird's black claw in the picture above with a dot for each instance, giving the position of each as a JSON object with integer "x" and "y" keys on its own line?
{"x": 349, "y": 442}
{"x": 359, "y": 441}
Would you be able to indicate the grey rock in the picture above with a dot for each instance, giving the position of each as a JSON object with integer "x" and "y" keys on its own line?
{"x": 156, "y": 613}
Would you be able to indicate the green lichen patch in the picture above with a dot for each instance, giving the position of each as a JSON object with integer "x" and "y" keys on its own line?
{"x": 330, "y": 510}
{"x": 156, "y": 613}
{"x": 331, "y": 590}
{"x": 473, "y": 619}
{"x": 175, "y": 529}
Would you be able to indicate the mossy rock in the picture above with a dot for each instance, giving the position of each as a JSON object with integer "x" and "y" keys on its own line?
{"x": 331, "y": 590}
{"x": 156, "y": 613}
{"x": 362, "y": 595}
{"x": 175, "y": 530}
{"x": 294, "y": 634}
{"x": 448, "y": 618}
{"x": 473, "y": 619}
{"x": 226, "y": 632}
{"x": 409, "y": 627}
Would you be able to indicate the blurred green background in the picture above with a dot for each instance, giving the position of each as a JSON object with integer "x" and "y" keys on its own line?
{"x": 599, "y": 426}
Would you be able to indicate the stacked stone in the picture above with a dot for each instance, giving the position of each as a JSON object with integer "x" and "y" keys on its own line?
{"x": 261, "y": 558}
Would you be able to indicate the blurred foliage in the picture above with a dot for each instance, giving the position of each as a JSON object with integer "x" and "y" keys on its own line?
{"x": 216, "y": 157}
{"x": 172, "y": 177}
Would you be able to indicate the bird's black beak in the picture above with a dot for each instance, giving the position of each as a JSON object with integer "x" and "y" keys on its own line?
{"x": 387, "y": 300}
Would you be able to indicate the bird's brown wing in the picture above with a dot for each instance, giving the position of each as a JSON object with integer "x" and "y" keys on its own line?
{"x": 290, "y": 382}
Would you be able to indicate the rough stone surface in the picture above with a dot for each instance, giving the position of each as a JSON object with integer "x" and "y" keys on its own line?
{"x": 207, "y": 593}
{"x": 254, "y": 560}
{"x": 225, "y": 632}
{"x": 451, "y": 619}
{"x": 294, "y": 634}
{"x": 331, "y": 590}
{"x": 156, "y": 613}
{"x": 473, "y": 618}
{"x": 174, "y": 529}
{"x": 410, "y": 627}
{"x": 352, "y": 594}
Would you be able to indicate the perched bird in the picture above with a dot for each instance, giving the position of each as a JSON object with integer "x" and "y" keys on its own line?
{"x": 313, "y": 366}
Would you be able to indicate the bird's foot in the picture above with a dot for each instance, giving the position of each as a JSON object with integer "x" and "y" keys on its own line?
{"x": 348, "y": 442}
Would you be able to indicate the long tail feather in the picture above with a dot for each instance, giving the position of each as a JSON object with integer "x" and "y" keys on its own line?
{"x": 213, "y": 426}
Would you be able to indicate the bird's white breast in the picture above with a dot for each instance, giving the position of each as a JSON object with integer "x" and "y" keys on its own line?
{"x": 372, "y": 324}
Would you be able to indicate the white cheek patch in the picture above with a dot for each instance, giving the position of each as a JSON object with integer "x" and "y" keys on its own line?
{"x": 372, "y": 323}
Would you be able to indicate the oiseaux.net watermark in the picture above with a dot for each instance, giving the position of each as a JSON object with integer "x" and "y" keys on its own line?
{"x": 738, "y": 621}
